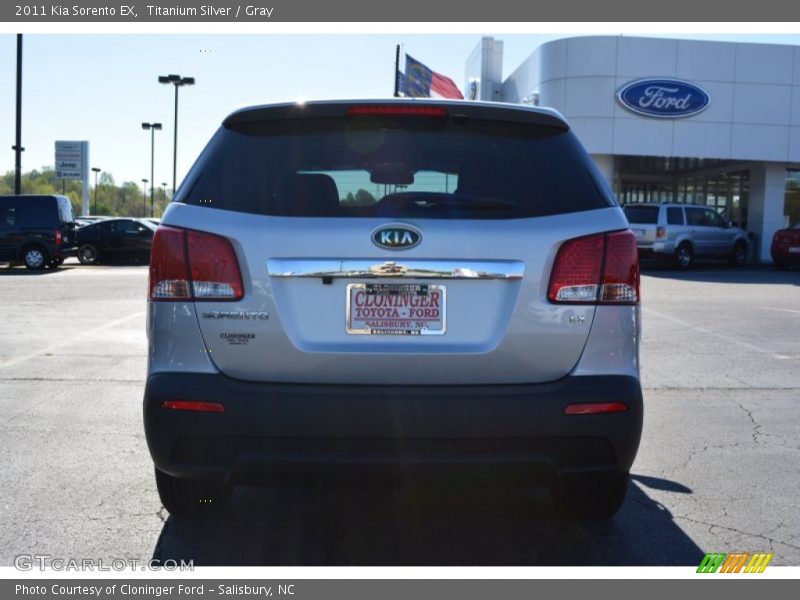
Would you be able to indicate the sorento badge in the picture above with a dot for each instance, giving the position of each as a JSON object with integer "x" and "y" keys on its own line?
{"x": 396, "y": 237}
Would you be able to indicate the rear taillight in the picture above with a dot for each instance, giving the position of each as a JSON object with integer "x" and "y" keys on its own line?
{"x": 598, "y": 269}
{"x": 187, "y": 265}
{"x": 169, "y": 269}
{"x": 213, "y": 267}
{"x": 661, "y": 233}
{"x": 577, "y": 270}
{"x": 58, "y": 237}
{"x": 621, "y": 271}
{"x": 786, "y": 236}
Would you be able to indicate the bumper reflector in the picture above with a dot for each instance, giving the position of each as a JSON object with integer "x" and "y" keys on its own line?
{"x": 192, "y": 405}
{"x": 594, "y": 408}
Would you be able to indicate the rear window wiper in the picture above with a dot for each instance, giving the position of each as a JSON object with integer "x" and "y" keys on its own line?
{"x": 454, "y": 200}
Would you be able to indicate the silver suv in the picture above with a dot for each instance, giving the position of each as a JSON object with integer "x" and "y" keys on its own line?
{"x": 393, "y": 290}
{"x": 682, "y": 232}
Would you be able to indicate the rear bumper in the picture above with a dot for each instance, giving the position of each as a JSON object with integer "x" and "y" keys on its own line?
{"x": 781, "y": 254}
{"x": 301, "y": 432}
{"x": 656, "y": 249}
{"x": 66, "y": 252}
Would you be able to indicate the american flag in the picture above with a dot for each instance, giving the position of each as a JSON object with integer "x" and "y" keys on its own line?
{"x": 420, "y": 82}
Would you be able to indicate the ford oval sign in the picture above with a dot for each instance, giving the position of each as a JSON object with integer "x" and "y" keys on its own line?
{"x": 396, "y": 237}
{"x": 663, "y": 98}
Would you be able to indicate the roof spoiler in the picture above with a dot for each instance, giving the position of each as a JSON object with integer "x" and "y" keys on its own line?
{"x": 487, "y": 111}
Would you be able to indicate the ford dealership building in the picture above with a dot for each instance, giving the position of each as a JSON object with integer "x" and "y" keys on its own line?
{"x": 713, "y": 123}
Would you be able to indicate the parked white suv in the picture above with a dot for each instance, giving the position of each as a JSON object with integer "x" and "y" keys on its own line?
{"x": 400, "y": 288}
{"x": 683, "y": 232}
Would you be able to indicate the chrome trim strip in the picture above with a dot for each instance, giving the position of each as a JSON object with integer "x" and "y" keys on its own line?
{"x": 409, "y": 269}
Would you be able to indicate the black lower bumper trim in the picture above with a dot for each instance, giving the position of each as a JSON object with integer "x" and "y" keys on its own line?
{"x": 269, "y": 430}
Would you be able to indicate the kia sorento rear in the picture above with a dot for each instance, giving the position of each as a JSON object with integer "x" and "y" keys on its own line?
{"x": 399, "y": 289}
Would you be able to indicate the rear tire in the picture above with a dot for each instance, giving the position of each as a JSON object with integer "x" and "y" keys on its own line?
{"x": 87, "y": 254}
{"x": 35, "y": 257}
{"x": 739, "y": 254}
{"x": 684, "y": 256}
{"x": 191, "y": 498}
{"x": 592, "y": 496}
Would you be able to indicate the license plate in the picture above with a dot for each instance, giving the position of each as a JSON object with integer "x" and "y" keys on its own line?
{"x": 794, "y": 249}
{"x": 638, "y": 232}
{"x": 396, "y": 309}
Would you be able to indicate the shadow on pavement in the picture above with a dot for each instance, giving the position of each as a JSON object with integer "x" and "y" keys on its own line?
{"x": 427, "y": 527}
{"x": 722, "y": 273}
{"x": 20, "y": 271}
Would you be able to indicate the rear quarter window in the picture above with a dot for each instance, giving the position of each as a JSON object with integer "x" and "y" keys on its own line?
{"x": 642, "y": 214}
{"x": 674, "y": 215}
{"x": 37, "y": 213}
{"x": 8, "y": 214}
{"x": 328, "y": 167}
{"x": 65, "y": 210}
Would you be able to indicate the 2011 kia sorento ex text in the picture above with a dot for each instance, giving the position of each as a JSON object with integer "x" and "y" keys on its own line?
{"x": 397, "y": 288}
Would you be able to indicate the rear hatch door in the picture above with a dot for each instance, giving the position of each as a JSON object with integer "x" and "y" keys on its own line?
{"x": 395, "y": 250}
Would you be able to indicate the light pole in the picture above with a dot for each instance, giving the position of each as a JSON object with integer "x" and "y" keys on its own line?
{"x": 144, "y": 195}
{"x": 96, "y": 171}
{"x": 177, "y": 81}
{"x": 152, "y": 127}
{"x": 164, "y": 192}
{"x": 17, "y": 147}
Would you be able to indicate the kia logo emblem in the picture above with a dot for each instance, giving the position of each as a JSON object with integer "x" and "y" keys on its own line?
{"x": 396, "y": 237}
{"x": 664, "y": 98}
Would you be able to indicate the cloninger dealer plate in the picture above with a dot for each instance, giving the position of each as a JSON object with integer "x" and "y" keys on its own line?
{"x": 396, "y": 309}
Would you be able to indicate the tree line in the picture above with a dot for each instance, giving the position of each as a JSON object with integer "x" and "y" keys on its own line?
{"x": 108, "y": 198}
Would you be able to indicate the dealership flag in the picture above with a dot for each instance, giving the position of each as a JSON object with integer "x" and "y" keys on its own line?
{"x": 421, "y": 82}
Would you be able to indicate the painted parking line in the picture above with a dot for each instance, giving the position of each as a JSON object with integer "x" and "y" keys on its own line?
{"x": 789, "y": 310}
{"x": 716, "y": 334}
{"x": 79, "y": 337}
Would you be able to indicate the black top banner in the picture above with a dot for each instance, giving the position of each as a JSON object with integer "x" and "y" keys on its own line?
{"x": 150, "y": 11}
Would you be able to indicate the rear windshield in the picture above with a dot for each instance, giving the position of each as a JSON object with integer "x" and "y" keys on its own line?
{"x": 408, "y": 168}
{"x": 65, "y": 209}
{"x": 642, "y": 214}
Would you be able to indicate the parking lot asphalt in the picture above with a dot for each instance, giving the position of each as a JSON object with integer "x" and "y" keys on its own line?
{"x": 718, "y": 469}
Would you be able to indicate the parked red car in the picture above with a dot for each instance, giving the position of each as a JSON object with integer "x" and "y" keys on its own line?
{"x": 785, "y": 248}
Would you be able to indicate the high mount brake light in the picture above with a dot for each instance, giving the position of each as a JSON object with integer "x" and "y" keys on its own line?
{"x": 598, "y": 269}
{"x": 186, "y": 265}
{"x": 391, "y": 110}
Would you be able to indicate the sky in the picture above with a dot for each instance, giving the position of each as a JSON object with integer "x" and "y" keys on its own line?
{"x": 101, "y": 88}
